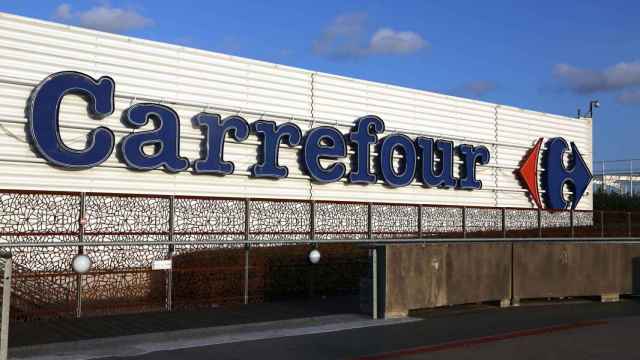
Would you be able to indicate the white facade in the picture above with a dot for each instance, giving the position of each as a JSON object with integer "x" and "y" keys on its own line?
{"x": 191, "y": 81}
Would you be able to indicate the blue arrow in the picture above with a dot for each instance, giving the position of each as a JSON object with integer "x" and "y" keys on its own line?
{"x": 556, "y": 175}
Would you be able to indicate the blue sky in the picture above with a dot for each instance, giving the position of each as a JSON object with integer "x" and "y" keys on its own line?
{"x": 549, "y": 56}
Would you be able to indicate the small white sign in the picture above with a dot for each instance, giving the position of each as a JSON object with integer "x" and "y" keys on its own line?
{"x": 161, "y": 265}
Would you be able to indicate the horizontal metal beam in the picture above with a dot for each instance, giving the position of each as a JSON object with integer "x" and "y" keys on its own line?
{"x": 330, "y": 241}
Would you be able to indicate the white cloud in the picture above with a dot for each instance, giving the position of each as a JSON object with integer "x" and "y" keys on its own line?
{"x": 389, "y": 41}
{"x": 629, "y": 97}
{"x": 346, "y": 38}
{"x": 63, "y": 12}
{"x": 342, "y": 38}
{"x": 104, "y": 18}
{"x": 585, "y": 81}
{"x": 347, "y": 24}
{"x": 479, "y": 87}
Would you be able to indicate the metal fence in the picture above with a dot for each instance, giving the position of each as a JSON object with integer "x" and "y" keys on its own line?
{"x": 618, "y": 176}
{"x": 124, "y": 233}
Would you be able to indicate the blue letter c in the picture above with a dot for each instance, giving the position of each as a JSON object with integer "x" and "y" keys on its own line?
{"x": 44, "y": 118}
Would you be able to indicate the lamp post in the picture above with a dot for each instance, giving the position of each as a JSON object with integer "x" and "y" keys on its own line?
{"x": 593, "y": 104}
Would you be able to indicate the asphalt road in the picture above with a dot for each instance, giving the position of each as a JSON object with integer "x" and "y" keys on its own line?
{"x": 582, "y": 330}
{"x": 613, "y": 339}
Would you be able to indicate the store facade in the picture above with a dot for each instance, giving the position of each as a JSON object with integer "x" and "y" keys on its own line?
{"x": 134, "y": 151}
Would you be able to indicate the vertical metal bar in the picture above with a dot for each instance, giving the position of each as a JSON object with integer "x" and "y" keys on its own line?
{"x": 374, "y": 263}
{"x": 312, "y": 235}
{"x": 629, "y": 232}
{"x": 369, "y": 222}
{"x": 504, "y": 222}
{"x": 464, "y": 221}
{"x": 247, "y": 218}
{"x": 81, "y": 227}
{"x": 312, "y": 220}
{"x": 246, "y": 273}
{"x": 539, "y": 223}
{"x": 78, "y": 295}
{"x": 601, "y": 223}
{"x": 420, "y": 221}
{"x": 604, "y": 188}
{"x": 631, "y": 176}
{"x": 171, "y": 250}
{"x": 375, "y": 282}
{"x": 6, "y": 306}
{"x": 512, "y": 285}
{"x": 571, "y": 224}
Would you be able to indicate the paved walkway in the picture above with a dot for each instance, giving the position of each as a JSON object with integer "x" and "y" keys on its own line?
{"x": 66, "y": 330}
{"x": 548, "y": 331}
{"x": 134, "y": 345}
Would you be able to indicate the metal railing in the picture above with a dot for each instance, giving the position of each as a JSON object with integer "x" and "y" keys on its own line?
{"x": 619, "y": 176}
{"x": 65, "y": 219}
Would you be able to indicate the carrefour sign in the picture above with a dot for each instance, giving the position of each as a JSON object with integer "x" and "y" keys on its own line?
{"x": 555, "y": 175}
{"x": 418, "y": 156}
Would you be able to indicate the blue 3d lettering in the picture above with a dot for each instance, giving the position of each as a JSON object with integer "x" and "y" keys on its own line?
{"x": 363, "y": 135}
{"x": 407, "y": 169}
{"x": 434, "y": 174}
{"x": 215, "y": 131}
{"x": 272, "y": 136}
{"x": 471, "y": 155}
{"x": 165, "y": 139}
{"x": 400, "y": 159}
{"x": 44, "y": 122}
{"x": 324, "y": 143}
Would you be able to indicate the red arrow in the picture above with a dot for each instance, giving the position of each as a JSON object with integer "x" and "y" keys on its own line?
{"x": 528, "y": 172}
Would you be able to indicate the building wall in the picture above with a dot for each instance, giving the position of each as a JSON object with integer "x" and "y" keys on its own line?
{"x": 431, "y": 275}
{"x": 192, "y": 81}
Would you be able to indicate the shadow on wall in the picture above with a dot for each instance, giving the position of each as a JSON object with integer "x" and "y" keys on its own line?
{"x": 211, "y": 278}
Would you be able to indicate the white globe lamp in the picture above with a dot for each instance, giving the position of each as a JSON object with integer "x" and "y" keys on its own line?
{"x": 81, "y": 263}
{"x": 314, "y": 256}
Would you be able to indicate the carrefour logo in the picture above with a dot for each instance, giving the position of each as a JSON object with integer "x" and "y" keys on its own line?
{"x": 555, "y": 175}
{"x": 324, "y": 154}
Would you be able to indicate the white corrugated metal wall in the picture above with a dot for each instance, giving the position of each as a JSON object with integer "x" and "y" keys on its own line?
{"x": 191, "y": 81}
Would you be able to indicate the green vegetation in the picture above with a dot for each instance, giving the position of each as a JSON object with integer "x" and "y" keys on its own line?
{"x": 615, "y": 201}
